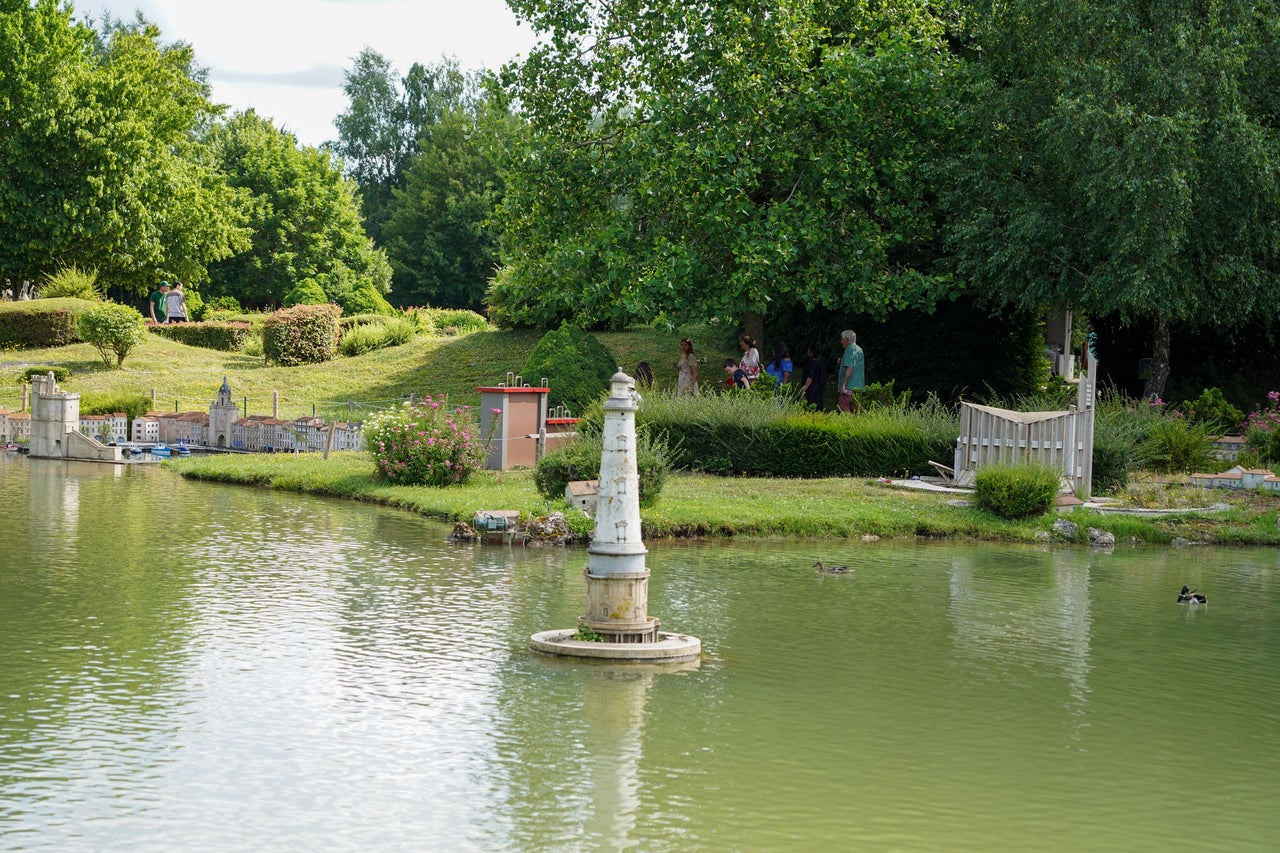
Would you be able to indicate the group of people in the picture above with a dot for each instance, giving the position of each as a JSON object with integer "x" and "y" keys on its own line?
{"x": 745, "y": 371}
{"x": 168, "y": 304}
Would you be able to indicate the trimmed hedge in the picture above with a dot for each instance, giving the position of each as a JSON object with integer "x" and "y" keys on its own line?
{"x": 60, "y": 374}
{"x": 303, "y": 334}
{"x": 41, "y": 322}
{"x": 211, "y": 334}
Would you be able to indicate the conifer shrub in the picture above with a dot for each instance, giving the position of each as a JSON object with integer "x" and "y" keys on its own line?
{"x": 41, "y": 322}
{"x": 113, "y": 329}
{"x": 575, "y": 364}
{"x": 209, "y": 334}
{"x": 364, "y": 298}
{"x": 306, "y": 292}
{"x": 1173, "y": 445}
{"x": 303, "y": 334}
{"x": 1016, "y": 490}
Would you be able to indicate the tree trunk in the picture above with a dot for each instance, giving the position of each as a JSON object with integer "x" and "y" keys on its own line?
{"x": 753, "y": 325}
{"x": 1158, "y": 375}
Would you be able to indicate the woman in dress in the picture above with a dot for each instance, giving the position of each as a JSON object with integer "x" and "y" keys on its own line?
{"x": 686, "y": 370}
{"x": 750, "y": 363}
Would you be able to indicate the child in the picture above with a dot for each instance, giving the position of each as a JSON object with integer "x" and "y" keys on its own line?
{"x": 738, "y": 376}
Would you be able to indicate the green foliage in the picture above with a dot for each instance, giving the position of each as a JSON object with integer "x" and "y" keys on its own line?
{"x": 761, "y": 435}
{"x": 447, "y": 321}
{"x": 364, "y": 338}
{"x": 1121, "y": 162}
{"x": 425, "y": 444}
{"x": 387, "y": 116}
{"x": 1015, "y": 491}
{"x": 877, "y": 395}
{"x": 576, "y": 365}
{"x": 303, "y": 334}
{"x": 210, "y": 334}
{"x": 1213, "y": 411}
{"x": 643, "y": 188}
{"x": 60, "y": 374}
{"x": 304, "y": 216}
{"x": 224, "y": 304}
{"x": 73, "y": 282}
{"x": 103, "y": 167}
{"x": 115, "y": 330}
{"x": 41, "y": 322}
{"x": 579, "y": 459}
{"x": 440, "y": 238}
{"x": 108, "y": 403}
{"x": 365, "y": 299}
{"x": 1262, "y": 435}
{"x": 1173, "y": 444}
{"x": 306, "y": 292}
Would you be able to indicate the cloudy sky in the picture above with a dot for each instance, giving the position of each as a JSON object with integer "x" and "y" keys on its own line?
{"x": 285, "y": 58}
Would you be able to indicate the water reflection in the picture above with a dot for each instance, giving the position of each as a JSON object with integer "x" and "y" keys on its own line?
{"x": 192, "y": 666}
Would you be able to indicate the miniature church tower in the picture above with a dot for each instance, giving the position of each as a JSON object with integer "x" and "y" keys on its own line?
{"x": 222, "y": 414}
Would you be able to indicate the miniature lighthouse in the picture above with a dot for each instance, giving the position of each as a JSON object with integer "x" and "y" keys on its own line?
{"x": 617, "y": 578}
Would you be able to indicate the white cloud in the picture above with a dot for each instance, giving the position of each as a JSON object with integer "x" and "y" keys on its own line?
{"x": 285, "y": 58}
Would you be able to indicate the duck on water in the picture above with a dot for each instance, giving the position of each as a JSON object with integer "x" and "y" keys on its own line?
{"x": 832, "y": 570}
{"x": 1190, "y": 596}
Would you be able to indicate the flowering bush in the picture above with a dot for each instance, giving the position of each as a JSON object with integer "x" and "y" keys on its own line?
{"x": 1262, "y": 429}
{"x": 424, "y": 444}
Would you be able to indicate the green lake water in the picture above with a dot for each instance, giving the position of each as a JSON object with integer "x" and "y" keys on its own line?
{"x": 187, "y": 666}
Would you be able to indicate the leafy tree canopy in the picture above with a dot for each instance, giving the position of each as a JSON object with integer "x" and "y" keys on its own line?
{"x": 101, "y": 167}
{"x": 304, "y": 215}
{"x": 1124, "y": 160}
{"x": 712, "y": 158}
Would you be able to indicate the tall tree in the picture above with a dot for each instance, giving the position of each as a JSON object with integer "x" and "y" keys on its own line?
{"x": 304, "y": 216}
{"x": 385, "y": 118}
{"x": 99, "y": 166}
{"x": 440, "y": 238}
{"x": 1126, "y": 161}
{"x": 711, "y": 158}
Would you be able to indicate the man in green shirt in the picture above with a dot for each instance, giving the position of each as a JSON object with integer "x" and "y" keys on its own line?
{"x": 156, "y": 302}
{"x": 852, "y": 369}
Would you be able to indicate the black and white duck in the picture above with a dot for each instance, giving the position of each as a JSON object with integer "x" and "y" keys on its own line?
{"x": 1190, "y": 596}
{"x": 832, "y": 570}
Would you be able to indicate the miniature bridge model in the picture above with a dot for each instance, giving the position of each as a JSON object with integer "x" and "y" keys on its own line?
{"x": 1061, "y": 440}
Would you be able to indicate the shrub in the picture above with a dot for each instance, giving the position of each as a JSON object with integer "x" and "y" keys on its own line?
{"x": 362, "y": 339}
{"x": 306, "y": 292}
{"x": 1262, "y": 429}
{"x": 41, "y": 322}
{"x": 303, "y": 334}
{"x": 1120, "y": 427}
{"x": 1212, "y": 409}
{"x": 365, "y": 299}
{"x": 423, "y": 444}
{"x": 1175, "y": 445}
{"x": 113, "y": 329}
{"x": 447, "y": 321}
{"x": 223, "y": 304}
{"x": 74, "y": 282}
{"x": 577, "y": 367}
{"x": 579, "y": 459}
{"x": 1015, "y": 491}
{"x": 209, "y": 334}
{"x": 60, "y": 374}
{"x": 107, "y": 403}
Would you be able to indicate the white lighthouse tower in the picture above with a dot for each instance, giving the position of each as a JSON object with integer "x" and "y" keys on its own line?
{"x": 617, "y": 624}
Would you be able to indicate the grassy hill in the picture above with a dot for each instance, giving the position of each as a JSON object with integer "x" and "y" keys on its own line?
{"x": 186, "y": 378}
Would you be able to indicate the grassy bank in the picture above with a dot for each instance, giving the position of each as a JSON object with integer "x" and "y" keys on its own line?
{"x": 696, "y": 505}
{"x": 186, "y": 378}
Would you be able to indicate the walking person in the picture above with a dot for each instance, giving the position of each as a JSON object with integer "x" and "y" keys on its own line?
{"x": 156, "y": 302}
{"x": 815, "y": 377}
{"x": 176, "y": 304}
{"x": 750, "y": 363}
{"x": 852, "y": 369}
{"x": 686, "y": 370}
{"x": 780, "y": 366}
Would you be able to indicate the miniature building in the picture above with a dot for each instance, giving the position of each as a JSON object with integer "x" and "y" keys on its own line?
{"x": 1239, "y": 478}
{"x": 55, "y": 425}
{"x": 583, "y": 494}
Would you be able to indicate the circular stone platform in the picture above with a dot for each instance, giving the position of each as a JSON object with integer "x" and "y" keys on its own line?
{"x": 669, "y": 647}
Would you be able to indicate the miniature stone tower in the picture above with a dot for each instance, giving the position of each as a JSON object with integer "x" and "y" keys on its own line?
{"x": 222, "y": 414}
